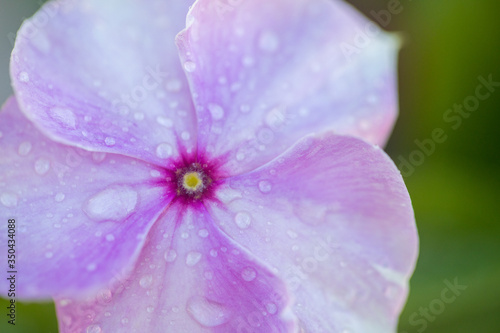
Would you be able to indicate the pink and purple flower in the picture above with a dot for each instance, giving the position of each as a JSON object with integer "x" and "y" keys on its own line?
{"x": 218, "y": 175}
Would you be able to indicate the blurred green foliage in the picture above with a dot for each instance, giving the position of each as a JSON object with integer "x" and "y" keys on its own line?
{"x": 447, "y": 46}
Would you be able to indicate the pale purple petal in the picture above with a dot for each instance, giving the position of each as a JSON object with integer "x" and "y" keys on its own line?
{"x": 266, "y": 73}
{"x": 334, "y": 218}
{"x": 81, "y": 217}
{"x": 189, "y": 278}
{"x": 106, "y": 76}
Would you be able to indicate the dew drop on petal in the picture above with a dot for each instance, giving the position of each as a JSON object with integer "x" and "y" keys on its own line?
{"x": 139, "y": 116}
{"x": 109, "y": 141}
{"x": 185, "y": 135}
{"x": 114, "y": 203}
{"x": 24, "y": 77}
{"x": 174, "y": 85}
{"x": 271, "y": 308}
{"x": 189, "y": 66}
{"x": 155, "y": 173}
{"x": 49, "y": 255}
{"x": 193, "y": 258}
{"x": 203, "y": 233}
{"x": 207, "y": 313}
{"x": 42, "y": 166}
{"x": 59, "y": 197}
{"x": 242, "y": 220}
{"x": 164, "y": 150}
{"x": 268, "y": 42}
{"x": 63, "y": 116}
{"x": 164, "y": 121}
{"x": 146, "y": 281}
{"x": 110, "y": 237}
{"x": 265, "y": 186}
{"x": 91, "y": 267}
{"x": 93, "y": 329}
{"x": 105, "y": 296}
{"x": 170, "y": 255}
{"x": 216, "y": 111}
{"x": 150, "y": 309}
{"x": 8, "y": 200}
{"x": 248, "y": 274}
{"x": 24, "y": 148}
{"x": 98, "y": 157}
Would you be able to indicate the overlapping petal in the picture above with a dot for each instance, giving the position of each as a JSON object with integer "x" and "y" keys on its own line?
{"x": 81, "y": 217}
{"x": 189, "y": 278}
{"x": 107, "y": 80}
{"x": 333, "y": 217}
{"x": 266, "y": 73}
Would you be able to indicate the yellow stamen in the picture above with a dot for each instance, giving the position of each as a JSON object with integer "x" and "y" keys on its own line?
{"x": 192, "y": 181}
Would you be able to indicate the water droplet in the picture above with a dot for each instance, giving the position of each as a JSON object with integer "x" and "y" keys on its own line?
{"x": 49, "y": 255}
{"x": 174, "y": 85}
{"x": 139, "y": 116}
{"x": 207, "y": 313}
{"x": 265, "y": 186}
{"x": 110, "y": 237}
{"x": 240, "y": 156}
{"x": 292, "y": 234}
{"x": 216, "y": 111}
{"x": 170, "y": 255}
{"x": 94, "y": 329}
{"x": 164, "y": 150}
{"x": 8, "y": 200}
{"x": 213, "y": 253}
{"x": 185, "y": 135}
{"x": 109, "y": 141}
{"x": 114, "y": 203}
{"x": 193, "y": 258}
{"x": 245, "y": 108}
{"x": 146, "y": 281}
{"x": 155, "y": 173}
{"x": 203, "y": 233}
{"x": 189, "y": 66}
{"x": 164, "y": 121}
{"x": 98, "y": 157}
{"x": 248, "y": 61}
{"x": 105, "y": 296}
{"x": 248, "y": 274}
{"x": 150, "y": 309}
{"x": 271, "y": 308}
{"x": 65, "y": 117}
{"x": 268, "y": 41}
{"x": 24, "y": 148}
{"x": 42, "y": 166}
{"x": 242, "y": 220}
{"x": 59, "y": 197}
{"x": 124, "y": 321}
{"x": 91, "y": 267}
{"x": 24, "y": 77}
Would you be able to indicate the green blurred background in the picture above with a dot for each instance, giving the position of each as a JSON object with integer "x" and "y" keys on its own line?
{"x": 455, "y": 189}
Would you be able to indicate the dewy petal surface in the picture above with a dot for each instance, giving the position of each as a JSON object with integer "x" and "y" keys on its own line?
{"x": 333, "y": 217}
{"x": 81, "y": 217}
{"x": 266, "y": 73}
{"x": 189, "y": 278}
{"x": 106, "y": 76}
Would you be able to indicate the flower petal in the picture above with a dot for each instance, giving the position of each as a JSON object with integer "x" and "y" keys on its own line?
{"x": 80, "y": 216}
{"x": 106, "y": 76}
{"x": 266, "y": 73}
{"x": 333, "y": 216}
{"x": 189, "y": 278}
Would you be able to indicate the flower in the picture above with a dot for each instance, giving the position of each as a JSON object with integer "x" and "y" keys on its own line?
{"x": 215, "y": 193}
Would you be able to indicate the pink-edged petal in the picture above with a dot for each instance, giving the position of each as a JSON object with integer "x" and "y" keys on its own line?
{"x": 106, "y": 76}
{"x": 80, "y": 217}
{"x": 333, "y": 217}
{"x": 266, "y": 73}
{"x": 189, "y": 278}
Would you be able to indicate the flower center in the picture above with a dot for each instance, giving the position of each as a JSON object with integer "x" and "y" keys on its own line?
{"x": 192, "y": 181}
